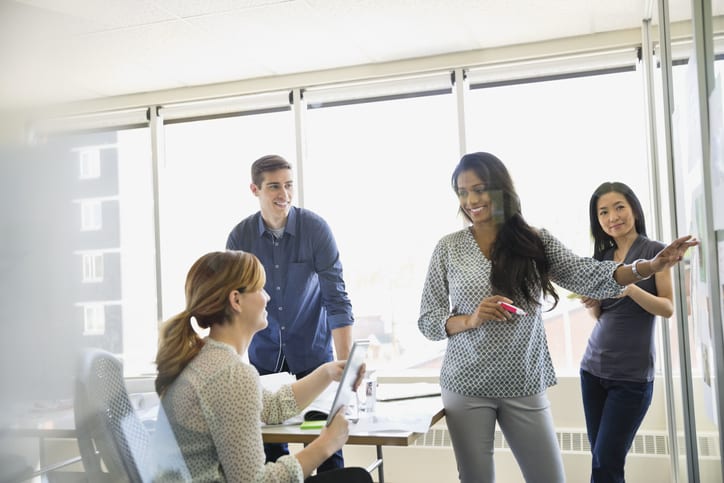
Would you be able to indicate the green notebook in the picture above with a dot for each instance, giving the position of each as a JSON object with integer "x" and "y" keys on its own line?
{"x": 313, "y": 424}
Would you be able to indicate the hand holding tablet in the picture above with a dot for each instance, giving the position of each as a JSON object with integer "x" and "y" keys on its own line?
{"x": 317, "y": 416}
{"x": 351, "y": 377}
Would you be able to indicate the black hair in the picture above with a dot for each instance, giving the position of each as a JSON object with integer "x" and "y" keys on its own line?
{"x": 601, "y": 240}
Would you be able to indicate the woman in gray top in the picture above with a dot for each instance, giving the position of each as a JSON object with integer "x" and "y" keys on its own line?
{"x": 497, "y": 366}
{"x": 617, "y": 370}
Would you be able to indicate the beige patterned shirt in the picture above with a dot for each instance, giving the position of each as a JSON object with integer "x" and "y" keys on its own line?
{"x": 216, "y": 407}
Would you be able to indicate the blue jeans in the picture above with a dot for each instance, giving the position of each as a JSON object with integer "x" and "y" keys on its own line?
{"x": 274, "y": 451}
{"x": 614, "y": 411}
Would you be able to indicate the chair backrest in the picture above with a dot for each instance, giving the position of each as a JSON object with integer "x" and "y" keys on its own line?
{"x": 113, "y": 442}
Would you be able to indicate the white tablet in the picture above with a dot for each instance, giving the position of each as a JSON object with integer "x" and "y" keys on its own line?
{"x": 345, "y": 390}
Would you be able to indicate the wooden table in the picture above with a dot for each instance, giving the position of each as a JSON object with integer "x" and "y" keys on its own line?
{"x": 425, "y": 407}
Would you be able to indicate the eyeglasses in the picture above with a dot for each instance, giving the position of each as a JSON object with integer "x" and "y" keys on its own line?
{"x": 241, "y": 289}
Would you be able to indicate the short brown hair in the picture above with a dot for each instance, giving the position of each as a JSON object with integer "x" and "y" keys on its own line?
{"x": 265, "y": 164}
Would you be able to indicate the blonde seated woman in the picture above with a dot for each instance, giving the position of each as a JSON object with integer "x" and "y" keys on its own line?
{"x": 214, "y": 401}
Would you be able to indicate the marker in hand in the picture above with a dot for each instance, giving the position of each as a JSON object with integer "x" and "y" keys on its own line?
{"x": 513, "y": 309}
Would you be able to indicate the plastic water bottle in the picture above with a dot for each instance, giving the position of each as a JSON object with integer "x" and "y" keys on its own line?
{"x": 369, "y": 385}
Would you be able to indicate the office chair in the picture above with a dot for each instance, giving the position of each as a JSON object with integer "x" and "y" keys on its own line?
{"x": 113, "y": 442}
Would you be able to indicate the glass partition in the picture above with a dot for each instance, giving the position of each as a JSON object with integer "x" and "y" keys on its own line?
{"x": 702, "y": 359}
{"x": 77, "y": 258}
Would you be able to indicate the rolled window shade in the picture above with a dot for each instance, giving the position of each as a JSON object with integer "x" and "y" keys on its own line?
{"x": 553, "y": 66}
{"x": 353, "y": 92}
{"x": 107, "y": 120}
{"x": 225, "y": 106}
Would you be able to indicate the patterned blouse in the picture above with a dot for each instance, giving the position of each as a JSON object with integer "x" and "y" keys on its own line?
{"x": 499, "y": 359}
{"x": 216, "y": 407}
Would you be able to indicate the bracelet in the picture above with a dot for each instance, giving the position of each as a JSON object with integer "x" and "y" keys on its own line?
{"x": 636, "y": 272}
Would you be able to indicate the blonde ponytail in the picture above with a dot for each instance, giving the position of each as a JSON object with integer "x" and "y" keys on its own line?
{"x": 208, "y": 284}
{"x": 178, "y": 344}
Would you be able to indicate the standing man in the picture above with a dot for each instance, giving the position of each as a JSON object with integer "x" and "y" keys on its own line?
{"x": 309, "y": 306}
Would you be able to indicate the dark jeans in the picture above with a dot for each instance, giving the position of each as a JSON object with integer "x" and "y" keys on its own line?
{"x": 342, "y": 475}
{"x": 274, "y": 451}
{"x": 614, "y": 411}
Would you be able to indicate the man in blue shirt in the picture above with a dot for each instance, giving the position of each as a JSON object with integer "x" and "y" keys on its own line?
{"x": 309, "y": 306}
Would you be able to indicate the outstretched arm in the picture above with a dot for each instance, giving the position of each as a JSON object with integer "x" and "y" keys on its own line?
{"x": 672, "y": 254}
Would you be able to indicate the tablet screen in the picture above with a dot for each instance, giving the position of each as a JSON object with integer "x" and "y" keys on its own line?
{"x": 345, "y": 390}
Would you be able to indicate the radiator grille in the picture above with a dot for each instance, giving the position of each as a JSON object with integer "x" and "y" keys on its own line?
{"x": 575, "y": 441}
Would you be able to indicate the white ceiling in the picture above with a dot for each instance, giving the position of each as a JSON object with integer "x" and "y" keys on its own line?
{"x": 85, "y": 49}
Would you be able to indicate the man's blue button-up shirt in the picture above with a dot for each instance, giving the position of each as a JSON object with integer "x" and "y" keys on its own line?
{"x": 304, "y": 281}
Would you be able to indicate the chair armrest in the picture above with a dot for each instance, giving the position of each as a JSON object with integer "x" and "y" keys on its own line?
{"x": 55, "y": 466}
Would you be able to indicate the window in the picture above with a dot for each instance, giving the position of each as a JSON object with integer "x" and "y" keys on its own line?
{"x": 135, "y": 317}
{"x": 91, "y": 215}
{"x": 92, "y": 267}
{"x": 205, "y": 190}
{"x": 550, "y": 132}
{"x": 377, "y": 168}
{"x": 378, "y": 173}
{"x": 90, "y": 163}
{"x": 94, "y": 319}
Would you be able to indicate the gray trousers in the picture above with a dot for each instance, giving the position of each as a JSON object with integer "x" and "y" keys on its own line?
{"x": 526, "y": 423}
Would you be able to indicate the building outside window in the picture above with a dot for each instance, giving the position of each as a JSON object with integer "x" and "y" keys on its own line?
{"x": 90, "y": 163}
{"x": 92, "y": 267}
{"x": 94, "y": 319}
{"x": 91, "y": 215}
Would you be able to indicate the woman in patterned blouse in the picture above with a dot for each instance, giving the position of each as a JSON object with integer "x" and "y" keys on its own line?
{"x": 497, "y": 367}
{"x": 214, "y": 401}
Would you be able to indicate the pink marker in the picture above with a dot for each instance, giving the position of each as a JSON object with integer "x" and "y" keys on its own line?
{"x": 513, "y": 309}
